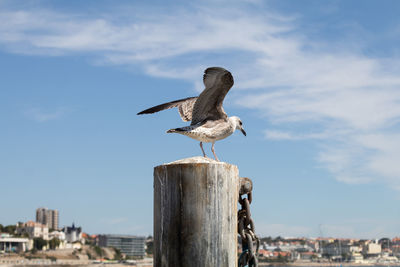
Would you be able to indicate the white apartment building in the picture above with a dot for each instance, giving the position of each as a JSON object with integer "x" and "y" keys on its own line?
{"x": 372, "y": 249}
{"x": 33, "y": 229}
{"x": 60, "y": 236}
{"x": 57, "y": 234}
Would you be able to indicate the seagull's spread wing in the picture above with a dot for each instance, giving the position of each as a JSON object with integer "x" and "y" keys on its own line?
{"x": 208, "y": 106}
{"x": 185, "y": 107}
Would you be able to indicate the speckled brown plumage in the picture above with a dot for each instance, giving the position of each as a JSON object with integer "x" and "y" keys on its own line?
{"x": 209, "y": 122}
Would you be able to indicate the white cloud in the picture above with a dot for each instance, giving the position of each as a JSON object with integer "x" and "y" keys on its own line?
{"x": 348, "y": 100}
{"x": 284, "y": 135}
{"x": 39, "y": 115}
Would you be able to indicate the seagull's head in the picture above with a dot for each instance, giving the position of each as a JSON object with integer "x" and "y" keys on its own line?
{"x": 238, "y": 124}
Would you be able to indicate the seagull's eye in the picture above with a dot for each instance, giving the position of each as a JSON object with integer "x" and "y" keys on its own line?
{"x": 240, "y": 122}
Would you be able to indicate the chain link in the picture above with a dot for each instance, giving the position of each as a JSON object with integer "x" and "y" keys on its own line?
{"x": 246, "y": 228}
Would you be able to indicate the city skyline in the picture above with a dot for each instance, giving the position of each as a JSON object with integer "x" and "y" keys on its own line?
{"x": 316, "y": 86}
{"x": 46, "y": 224}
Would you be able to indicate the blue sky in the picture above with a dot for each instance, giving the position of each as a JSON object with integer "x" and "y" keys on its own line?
{"x": 316, "y": 86}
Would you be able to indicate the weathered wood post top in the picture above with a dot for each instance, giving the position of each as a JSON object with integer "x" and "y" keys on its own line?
{"x": 195, "y": 213}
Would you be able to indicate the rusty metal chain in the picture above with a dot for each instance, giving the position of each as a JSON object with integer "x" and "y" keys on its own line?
{"x": 246, "y": 228}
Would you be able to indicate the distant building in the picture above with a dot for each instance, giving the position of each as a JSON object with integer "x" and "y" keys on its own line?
{"x": 33, "y": 230}
{"x": 265, "y": 253}
{"x": 307, "y": 255}
{"x": 72, "y": 234}
{"x": 357, "y": 258}
{"x": 60, "y": 236}
{"x": 372, "y": 249}
{"x": 133, "y": 246}
{"x": 41, "y": 215}
{"x": 396, "y": 246}
{"x": 57, "y": 234}
{"x": 13, "y": 244}
{"x": 313, "y": 244}
{"x": 47, "y": 217}
{"x": 340, "y": 249}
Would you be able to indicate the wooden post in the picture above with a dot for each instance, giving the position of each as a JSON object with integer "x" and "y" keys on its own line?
{"x": 195, "y": 213}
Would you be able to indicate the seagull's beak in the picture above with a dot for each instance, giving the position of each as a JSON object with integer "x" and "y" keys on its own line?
{"x": 243, "y": 131}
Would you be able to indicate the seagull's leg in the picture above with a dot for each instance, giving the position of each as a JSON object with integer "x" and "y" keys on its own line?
{"x": 213, "y": 151}
{"x": 201, "y": 145}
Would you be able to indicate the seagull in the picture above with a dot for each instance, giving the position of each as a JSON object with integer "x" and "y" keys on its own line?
{"x": 209, "y": 122}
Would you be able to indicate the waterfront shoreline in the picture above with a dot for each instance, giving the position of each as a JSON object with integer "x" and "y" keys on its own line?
{"x": 148, "y": 264}
{"x": 326, "y": 264}
{"x": 74, "y": 263}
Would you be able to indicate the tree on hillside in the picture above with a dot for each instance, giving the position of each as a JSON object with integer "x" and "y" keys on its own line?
{"x": 10, "y": 229}
{"x": 39, "y": 243}
{"x": 118, "y": 254}
{"x": 278, "y": 239}
{"x": 149, "y": 247}
{"x": 54, "y": 243}
{"x": 98, "y": 251}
